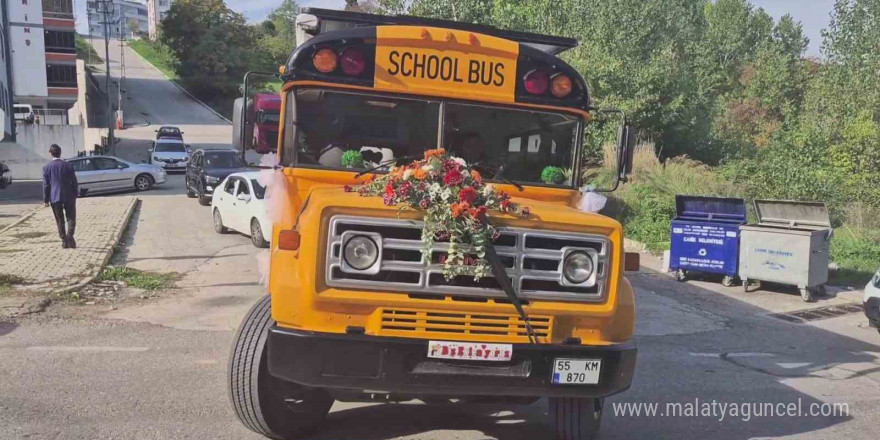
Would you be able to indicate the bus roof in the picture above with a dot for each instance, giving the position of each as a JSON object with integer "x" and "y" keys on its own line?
{"x": 334, "y": 19}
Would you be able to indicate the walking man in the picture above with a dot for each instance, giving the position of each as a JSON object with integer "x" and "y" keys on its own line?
{"x": 59, "y": 190}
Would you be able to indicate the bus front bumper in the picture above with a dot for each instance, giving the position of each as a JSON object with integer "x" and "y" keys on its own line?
{"x": 401, "y": 366}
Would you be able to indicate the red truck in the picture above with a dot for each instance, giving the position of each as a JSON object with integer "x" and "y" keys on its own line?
{"x": 263, "y": 116}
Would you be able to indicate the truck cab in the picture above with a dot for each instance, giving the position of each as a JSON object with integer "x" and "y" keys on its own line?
{"x": 427, "y": 242}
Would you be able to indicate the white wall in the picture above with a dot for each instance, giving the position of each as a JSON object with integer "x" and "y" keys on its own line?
{"x": 27, "y": 156}
{"x": 28, "y": 48}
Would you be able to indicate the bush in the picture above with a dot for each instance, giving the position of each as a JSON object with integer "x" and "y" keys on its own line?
{"x": 138, "y": 278}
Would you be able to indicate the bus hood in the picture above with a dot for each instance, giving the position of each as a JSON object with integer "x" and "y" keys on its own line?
{"x": 551, "y": 215}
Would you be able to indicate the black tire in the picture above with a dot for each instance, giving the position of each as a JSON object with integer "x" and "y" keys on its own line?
{"x": 218, "y": 223}
{"x": 575, "y": 418}
{"x": 259, "y": 399}
{"x": 189, "y": 191}
{"x": 257, "y": 234}
{"x": 203, "y": 198}
{"x": 143, "y": 182}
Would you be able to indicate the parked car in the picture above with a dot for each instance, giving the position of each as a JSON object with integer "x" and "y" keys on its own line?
{"x": 239, "y": 205}
{"x": 207, "y": 169}
{"x": 5, "y": 176}
{"x": 872, "y": 301}
{"x": 170, "y": 153}
{"x": 168, "y": 131}
{"x": 108, "y": 173}
{"x": 24, "y": 113}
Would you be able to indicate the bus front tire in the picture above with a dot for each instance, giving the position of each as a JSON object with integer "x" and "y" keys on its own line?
{"x": 265, "y": 404}
{"x": 576, "y": 418}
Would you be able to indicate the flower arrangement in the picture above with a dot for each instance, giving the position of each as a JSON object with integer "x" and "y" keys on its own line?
{"x": 455, "y": 202}
{"x": 352, "y": 159}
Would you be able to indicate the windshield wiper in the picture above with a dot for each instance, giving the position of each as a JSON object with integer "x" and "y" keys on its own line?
{"x": 499, "y": 174}
{"x": 386, "y": 163}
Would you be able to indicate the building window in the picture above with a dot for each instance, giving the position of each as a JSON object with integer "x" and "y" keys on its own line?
{"x": 61, "y": 75}
{"x": 58, "y": 8}
{"x": 60, "y": 41}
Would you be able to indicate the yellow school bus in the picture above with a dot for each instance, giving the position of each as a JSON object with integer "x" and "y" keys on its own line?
{"x": 355, "y": 313}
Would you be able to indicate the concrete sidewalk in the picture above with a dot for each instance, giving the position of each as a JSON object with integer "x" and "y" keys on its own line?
{"x": 32, "y": 250}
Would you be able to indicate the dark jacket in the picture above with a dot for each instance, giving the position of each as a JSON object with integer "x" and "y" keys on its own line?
{"x": 59, "y": 182}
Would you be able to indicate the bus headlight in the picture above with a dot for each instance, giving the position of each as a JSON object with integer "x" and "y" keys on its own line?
{"x": 577, "y": 267}
{"x": 360, "y": 252}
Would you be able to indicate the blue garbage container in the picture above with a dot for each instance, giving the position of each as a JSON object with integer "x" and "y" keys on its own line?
{"x": 705, "y": 236}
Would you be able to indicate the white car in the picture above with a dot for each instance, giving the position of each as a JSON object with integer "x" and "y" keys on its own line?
{"x": 238, "y": 204}
{"x": 872, "y": 301}
{"x": 170, "y": 153}
{"x": 108, "y": 173}
{"x": 24, "y": 113}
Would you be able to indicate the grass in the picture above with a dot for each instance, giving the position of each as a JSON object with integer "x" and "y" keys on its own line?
{"x": 138, "y": 278}
{"x": 7, "y": 281}
{"x": 85, "y": 51}
{"x": 160, "y": 57}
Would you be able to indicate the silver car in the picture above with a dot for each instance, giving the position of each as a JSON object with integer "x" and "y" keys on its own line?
{"x": 170, "y": 153}
{"x": 108, "y": 173}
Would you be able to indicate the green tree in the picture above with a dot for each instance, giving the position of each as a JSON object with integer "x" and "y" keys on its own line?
{"x": 278, "y": 33}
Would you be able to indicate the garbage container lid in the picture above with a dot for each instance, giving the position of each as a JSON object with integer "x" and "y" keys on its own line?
{"x": 792, "y": 214}
{"x": 722, "y": 209}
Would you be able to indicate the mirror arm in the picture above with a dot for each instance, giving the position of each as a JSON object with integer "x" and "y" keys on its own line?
{"x": 621, "y": 165}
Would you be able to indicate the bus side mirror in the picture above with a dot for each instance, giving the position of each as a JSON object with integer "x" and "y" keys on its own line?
{"x": 626, "y": 139}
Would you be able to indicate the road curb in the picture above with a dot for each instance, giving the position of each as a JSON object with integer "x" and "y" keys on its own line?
{"x": 109, "y": 254}
{"x": 181, "y": 88}
{"x": 20, "y": 220}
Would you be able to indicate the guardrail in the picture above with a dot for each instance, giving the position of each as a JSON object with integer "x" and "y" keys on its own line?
{"x": 52, "y": 117}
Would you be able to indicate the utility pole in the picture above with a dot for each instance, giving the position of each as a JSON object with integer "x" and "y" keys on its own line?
{"x": 106, "y": 4}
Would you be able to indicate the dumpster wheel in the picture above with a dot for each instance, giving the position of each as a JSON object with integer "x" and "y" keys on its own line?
{"x": 727, "y": 281}
{"x": 807, "y": 295}
{"x": 680, "y": 275}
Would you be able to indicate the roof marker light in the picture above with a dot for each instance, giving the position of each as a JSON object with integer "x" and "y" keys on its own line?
{"x": 473, "y": 40}
{"x": 536, "y": 82}
{"x": 426, "y": 35}
{"x": 561, "y": 86}
{"x": 450, "y": 37}
{"x": 325, "y": 60}
{"x": 352, "y": 61}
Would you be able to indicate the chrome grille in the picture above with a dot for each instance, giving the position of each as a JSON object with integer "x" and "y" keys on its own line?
{"x": 532, "y": 257}
{"x": 404, "y": 322}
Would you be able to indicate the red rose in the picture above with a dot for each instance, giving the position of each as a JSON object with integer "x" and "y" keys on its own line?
{"x": 389, "y": 190}
{"x": 452, "y": 177}
{"x": 505, "y": 205}
{"x": 348, "y": 188}
{"x": 468, "y": 194}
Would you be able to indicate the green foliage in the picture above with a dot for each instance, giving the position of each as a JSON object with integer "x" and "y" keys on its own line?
{"x": 85, "y": 51}
{"x": 139, "y": 279}
{"x": 7, "y": 280}
{"x": 856, "y": 253}
{"x": 352, "y": 159}
{"x": 278, "y": 32}
{"x": 552, "y": 175}
{"x": 157, "y": 54}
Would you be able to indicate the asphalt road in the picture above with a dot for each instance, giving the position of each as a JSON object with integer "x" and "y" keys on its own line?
{"x": 155, "y": 368}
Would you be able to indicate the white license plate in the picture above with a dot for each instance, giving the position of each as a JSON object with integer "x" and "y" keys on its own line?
{"x": 469, "y": 351}
{"x": 576, "y": 371}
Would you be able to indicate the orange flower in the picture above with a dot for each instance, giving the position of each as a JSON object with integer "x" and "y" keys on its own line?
{"x": 459, "y": 208}
{"x": 434, "y": 153}
{"x": 476, "y": 176}
{"x": 420, "y": 174}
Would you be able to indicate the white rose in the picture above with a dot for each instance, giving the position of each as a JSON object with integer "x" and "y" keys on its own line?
{"x": 488, "y": 190}
{"x": 460, "y": 161}
{"x": 427, "y": 168}
{"x": 407, "y": 174}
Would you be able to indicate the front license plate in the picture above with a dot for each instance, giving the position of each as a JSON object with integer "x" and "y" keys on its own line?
{"x": 469, "y": 351}
{"x": 576, "y": 371}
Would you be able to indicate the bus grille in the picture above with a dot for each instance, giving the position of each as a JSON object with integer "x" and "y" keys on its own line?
{"x": 532, "y": 257}
{"x": 405, "y": 322}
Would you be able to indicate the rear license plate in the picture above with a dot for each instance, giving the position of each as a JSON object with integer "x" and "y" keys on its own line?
{"x": 470, "y": 351}
{"x": 576, "y": 371}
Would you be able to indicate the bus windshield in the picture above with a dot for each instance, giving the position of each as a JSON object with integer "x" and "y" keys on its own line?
{"x": 501, "y": 142}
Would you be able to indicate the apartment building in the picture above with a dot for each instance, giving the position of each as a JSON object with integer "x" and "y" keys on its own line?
{"x": 127, "y": 18}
